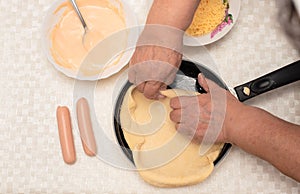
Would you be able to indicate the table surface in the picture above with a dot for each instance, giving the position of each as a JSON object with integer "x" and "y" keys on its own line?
{"x": 31, "y": 89}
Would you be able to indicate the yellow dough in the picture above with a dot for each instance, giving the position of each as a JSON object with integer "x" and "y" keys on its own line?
{"x": 162, "y": 156}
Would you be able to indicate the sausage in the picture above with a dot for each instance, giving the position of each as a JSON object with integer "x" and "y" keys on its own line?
{"x": 65, "y": 134}
{"x": 85, "y": 127}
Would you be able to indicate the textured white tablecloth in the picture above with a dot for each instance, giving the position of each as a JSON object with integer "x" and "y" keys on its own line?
{"x": 31, "y": 89}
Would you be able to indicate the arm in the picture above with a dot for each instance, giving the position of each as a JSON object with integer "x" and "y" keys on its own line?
{"x": 158, "y": 51}
{"x": 252, "y": 129}
{"x": 268, "y": 137}
{"x": 175, "y": 13}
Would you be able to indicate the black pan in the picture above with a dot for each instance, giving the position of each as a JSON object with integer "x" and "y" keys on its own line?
{"x": 273, "y": 80}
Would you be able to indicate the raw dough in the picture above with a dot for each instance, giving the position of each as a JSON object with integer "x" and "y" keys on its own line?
{"x": 162, "y": 156}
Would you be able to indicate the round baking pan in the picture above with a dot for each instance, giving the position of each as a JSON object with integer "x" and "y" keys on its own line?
{"x": 188, "y": 69}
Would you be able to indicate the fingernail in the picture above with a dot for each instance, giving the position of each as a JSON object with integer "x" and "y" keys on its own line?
{"x": 201, "y": 75}
{"x": 160, "y": 96}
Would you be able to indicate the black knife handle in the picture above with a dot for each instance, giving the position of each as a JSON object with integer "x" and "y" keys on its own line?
{"x": 283, "y": 76}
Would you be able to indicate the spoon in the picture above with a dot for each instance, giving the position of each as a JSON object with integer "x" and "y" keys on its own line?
{"x": 74, "y": 4}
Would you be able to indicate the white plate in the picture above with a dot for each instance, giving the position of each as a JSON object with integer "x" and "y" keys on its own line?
{"x": 51, "y": 20}
{"x": 234, "y": 9}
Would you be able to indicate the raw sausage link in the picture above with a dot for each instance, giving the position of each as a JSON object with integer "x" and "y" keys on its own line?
{"x": 65, "y": 134}
{"x": 85, "y": 127}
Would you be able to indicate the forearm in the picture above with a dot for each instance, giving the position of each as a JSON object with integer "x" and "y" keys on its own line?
{"x": 161, "y": 42}
{"x": 270, "y": 138}
{"x": 174, "y": 13}
{"x": 166, "y": 23}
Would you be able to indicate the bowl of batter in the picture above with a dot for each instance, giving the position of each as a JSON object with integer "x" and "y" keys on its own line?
{"x": 100, "y": 52}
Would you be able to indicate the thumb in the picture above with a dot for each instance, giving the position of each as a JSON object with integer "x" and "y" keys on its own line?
{"x": 203, "y": 83}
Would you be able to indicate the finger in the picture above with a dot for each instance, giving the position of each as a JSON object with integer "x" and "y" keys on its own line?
{"x": 151, "y": 89}
{"x": 160, "y": 96}
{"x": 175, "y": 115}
{"x": 182, "y": 129}
{"x": 182, "y": 101}
{"x": 175, "y": 103}
{"x": 162, "y": 87}
{"x": 204, "y": 100}
{"x": 202, "y": 82}
{"x": 197, "y": 139}
{"x": 141, "y": 87}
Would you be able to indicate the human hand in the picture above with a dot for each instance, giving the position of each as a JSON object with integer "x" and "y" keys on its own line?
{"x": 160, "y": 42}
{"x": 195, "y": 115}
{"x": 156, "y": 59}
{"x": 152, "y": 68}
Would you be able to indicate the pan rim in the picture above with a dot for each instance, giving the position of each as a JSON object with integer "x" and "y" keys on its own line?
{"x": 117, "y": 126}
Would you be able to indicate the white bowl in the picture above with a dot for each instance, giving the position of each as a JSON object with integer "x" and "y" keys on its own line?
{"x": 52, "y": 19}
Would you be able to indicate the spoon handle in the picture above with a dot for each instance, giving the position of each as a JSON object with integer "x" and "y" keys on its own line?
{"x": 78, "y": 13}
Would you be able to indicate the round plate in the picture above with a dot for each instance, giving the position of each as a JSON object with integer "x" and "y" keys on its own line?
{"x": 188, "y": 69}
{"x": 220, "y": 31}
